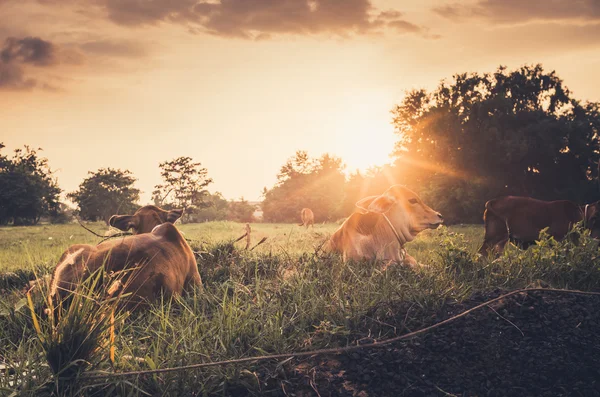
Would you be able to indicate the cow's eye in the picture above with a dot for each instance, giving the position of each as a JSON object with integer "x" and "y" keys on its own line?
{"x": 413, "y": 201}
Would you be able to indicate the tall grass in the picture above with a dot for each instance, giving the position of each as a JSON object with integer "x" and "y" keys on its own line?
{"x": 273, "y": 300}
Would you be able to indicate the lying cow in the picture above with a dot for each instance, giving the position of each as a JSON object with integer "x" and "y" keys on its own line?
{"x": 520, "y": 219}
{"x": 307, "y": 217}
{"x": 155, "y": 260}
{"x": 381, "y": 225}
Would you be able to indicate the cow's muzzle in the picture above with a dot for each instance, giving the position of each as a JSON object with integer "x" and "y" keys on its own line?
{"x": 434, "y": 225}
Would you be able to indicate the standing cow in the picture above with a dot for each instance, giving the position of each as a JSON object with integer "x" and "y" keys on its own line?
{"x": 381, "y": 225}
{"x": 307, "y": 217}
{"x": 520, "y": 219}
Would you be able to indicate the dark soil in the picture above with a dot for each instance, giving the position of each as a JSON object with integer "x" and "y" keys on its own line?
{"x": 536, "y": 344}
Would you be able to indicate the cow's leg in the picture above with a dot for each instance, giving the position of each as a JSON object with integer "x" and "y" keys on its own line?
{"x": 399, "y": 256}
{"x": 386, "y": 263}
{"x": 523, "y": 244}
{"x": 499, "y": 247}
{"x": 496, "y": 233}
{"x": 406, "y": 261}
{"x": 193, "y": 280}
{"x": 409, "y": 260}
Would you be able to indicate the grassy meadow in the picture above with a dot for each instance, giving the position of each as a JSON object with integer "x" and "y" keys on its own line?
{"x": 40, "y": 247}
{"x": 280, "y": 297}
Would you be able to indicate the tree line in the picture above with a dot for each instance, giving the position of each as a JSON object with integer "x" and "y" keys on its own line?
{"x": 475, "y": 137}
{"x": 28, "y": 192}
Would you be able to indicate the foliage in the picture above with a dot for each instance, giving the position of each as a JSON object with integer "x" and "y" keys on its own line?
{"x": 304, "y": 182}
{"x": 184, "y": 183}
{"x": 77, "y": 337}
{"x": 480, "y": 136}
{"x": 240, "y": 211}
{"x": 106, "y": 192}
{"x": 64, "y": 214}
{"x": 373, "y": 182}
{"x": 27, "y": 190}
{"x": 215, "y": 210}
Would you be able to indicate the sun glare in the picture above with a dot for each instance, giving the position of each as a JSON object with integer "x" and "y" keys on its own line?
{"x": 368, "y": 141}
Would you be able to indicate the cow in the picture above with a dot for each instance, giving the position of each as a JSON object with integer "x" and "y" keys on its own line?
{"x": 520, "y": 219}
{"x": 307, "y": 217}
{"x": 381, "y": 225}
{"x": 156, "y": 259}
{"x": 144, "y": 219}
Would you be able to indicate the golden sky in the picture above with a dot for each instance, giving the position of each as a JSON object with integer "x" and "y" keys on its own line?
{"x": 240, "y": 85}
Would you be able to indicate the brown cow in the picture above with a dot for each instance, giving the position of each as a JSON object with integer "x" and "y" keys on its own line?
{"x": 381, "y": 225}
{"x": 520, "y": 219}
{"x": 308, "y": 217}
{"x": 145, "y": 219}
{"x": 155, "y": 260}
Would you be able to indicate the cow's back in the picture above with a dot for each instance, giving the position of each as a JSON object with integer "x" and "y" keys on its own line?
{"x": 525, "y": 217}
{"x": 307, "y": 216}
{"x": 151, "y": 263}
{"x": 167, "y": 261}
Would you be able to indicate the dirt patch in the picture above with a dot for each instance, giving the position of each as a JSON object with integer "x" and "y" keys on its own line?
{"x": 536, "y": 344}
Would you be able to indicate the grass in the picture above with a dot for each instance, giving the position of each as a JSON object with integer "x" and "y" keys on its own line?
{"x": 278, "y": 298}
{"x": 29, "y": 248}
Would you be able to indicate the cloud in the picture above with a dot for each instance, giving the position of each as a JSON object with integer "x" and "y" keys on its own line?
{"x": 18, "y": 57}
{"x": 12, "y": 78}
{"x": 262, "y": 19}
{"x": 519, "y": 11}
{"x": 114, "y": 48}
{"x": 148, "y": 12}
{"x": 29, "y": 50}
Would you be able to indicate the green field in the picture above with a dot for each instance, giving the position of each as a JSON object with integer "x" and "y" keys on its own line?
{"x": 32, "y": 247}
{"x": 279, "y": 298}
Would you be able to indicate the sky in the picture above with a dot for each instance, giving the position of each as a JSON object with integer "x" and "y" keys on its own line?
{"x": 241, "y": 85}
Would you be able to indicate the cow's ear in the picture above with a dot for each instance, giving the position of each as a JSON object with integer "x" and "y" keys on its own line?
{"x": 123, "y": 222}
{"x": 363, "y": 204}
{"x": 381, "y": 204}
{"x": 173, "y": 215}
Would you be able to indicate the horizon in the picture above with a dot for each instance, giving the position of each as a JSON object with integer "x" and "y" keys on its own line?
{"x": 240, "y": 87}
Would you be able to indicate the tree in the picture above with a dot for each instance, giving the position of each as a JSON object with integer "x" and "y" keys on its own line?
{"x": 104, "y": 193}
{"x": 480, "y": 136}
{"x": 215, "y": 210}
{"x": 240, "y": 211}
{"x": 27, "y": 189}
{"x": 183, "y": 186}
{"x": 304, "y": 182}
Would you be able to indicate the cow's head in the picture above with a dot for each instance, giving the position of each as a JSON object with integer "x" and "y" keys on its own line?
{"x": 405, "y": 210}
{"x": 592, "y": 219}
{"x": 145, "y": 219}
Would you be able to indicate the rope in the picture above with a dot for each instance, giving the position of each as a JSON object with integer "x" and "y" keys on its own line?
{"x": 339, "y": 349}
{"x": 104, "y": 238}
{"x": 400, "y": 241}
{"x": 89, "y": 230}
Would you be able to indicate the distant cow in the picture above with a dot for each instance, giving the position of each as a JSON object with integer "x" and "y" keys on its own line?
{"x": 155, "y": 260}
{"x": 520, "y": 219}
{"x": 381, "y": 225}
{"x": 308, "y": 218}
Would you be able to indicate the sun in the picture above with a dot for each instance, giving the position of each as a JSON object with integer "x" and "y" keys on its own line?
{"x": 368, "y": 142}
{"x": 360, "y": 129}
